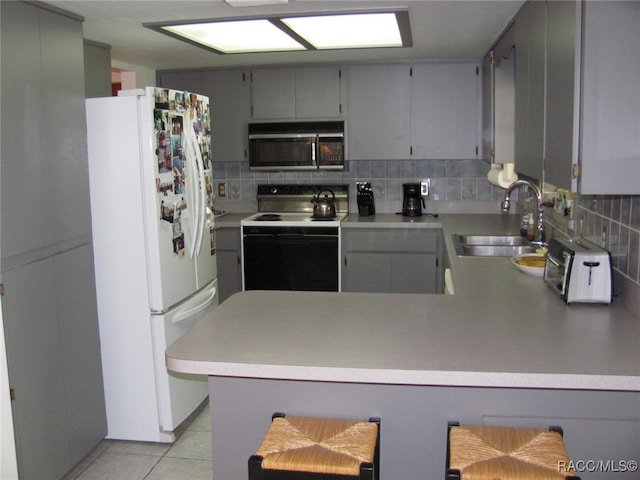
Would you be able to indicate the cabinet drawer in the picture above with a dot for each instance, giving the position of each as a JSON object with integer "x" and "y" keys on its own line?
{"x": 401, "y": 239}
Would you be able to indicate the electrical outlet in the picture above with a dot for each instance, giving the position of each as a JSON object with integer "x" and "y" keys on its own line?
{"x": 222, "y": 189}
{"x": 424, "y": 186}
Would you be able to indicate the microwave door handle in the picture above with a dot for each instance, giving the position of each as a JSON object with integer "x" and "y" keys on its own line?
{"x": 314, "y": 150}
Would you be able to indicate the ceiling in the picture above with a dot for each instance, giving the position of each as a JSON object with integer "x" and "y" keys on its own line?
{"x": 443, "y": 29}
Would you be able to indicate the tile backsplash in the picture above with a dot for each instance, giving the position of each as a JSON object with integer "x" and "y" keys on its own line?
{"x": 612, "y": 222}
{"x": 609, "y": 221}
{"x": 451, "y": 181}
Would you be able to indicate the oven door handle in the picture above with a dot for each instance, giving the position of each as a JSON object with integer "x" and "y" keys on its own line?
{"x": 290, "y": 235}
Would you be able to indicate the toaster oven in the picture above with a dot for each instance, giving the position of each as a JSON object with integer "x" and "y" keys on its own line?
{"x": 579, "y": 271}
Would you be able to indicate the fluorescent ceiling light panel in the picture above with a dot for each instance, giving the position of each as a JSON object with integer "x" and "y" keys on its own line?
{"x": 292, "y": 32}
{"x": 366, "y": 30}
{"x": 240, "y": 36}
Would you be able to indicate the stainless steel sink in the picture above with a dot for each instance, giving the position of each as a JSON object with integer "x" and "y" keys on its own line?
{"x": 491, "y": 245}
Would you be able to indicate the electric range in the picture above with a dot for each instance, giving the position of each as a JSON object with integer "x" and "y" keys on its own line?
{"x": 291, "y": 205}
{"x": 285, "y": 248}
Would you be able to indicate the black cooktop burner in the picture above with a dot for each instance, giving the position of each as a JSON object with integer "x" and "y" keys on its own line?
{"x": 269, "y": 217}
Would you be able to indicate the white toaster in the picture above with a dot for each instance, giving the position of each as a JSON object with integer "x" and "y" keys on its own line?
{"x": 579, "y": 271}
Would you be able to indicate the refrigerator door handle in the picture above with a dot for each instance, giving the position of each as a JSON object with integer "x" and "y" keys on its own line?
{"x": 201, "y": 219}
{"x": 190, "y": 156}
{"x": 198, "y": 308}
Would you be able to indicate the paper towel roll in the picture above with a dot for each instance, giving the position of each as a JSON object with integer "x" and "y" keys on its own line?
{"x": 502, "y": 175}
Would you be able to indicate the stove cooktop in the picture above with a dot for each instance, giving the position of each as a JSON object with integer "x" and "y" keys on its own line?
{"x": 289, "y": 219}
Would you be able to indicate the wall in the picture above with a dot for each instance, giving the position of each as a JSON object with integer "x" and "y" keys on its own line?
{"x": 134, "y": 76}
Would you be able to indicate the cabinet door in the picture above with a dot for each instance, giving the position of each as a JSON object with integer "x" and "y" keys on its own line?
{"x": 273, "y": 93}
{"x": 504, "y": 98}
{"x": 488, "y": 113}
{"x": 610, "y": 153}
{"x": 185, "y": 81}
{"x": 34, "y": 357}
{"x": 414, "y": 273}
{"x": 529, "y": 88}
{"x": 445, "y": 110}
{"x": 379, "y": 112}
{"x": 228, "y": 92}
{"x": 318, "y": 92}
{"x": 45, "y": 187}
{"x": 75, "y": 292}
{"x": 560, "y": 98}
{"x": 229, "y": 268}
{"x": 392, "y": 260}
{"x": 366, "y": 272}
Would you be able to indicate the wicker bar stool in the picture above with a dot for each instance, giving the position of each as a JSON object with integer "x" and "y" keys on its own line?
{"x": 318, "y": 449}
{"x": 480, "y": 452}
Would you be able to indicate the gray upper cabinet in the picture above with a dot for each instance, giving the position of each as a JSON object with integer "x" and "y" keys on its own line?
{"x": 273, "y": 93}
{"x": 445, "y": 110}
{"x": 379, "y": 122}
{"x": 561, "y": 100}
{"x": 318, "y": 92}
{"x": 592, "y": 97}
{"x": 228, "y": 94}
{"x": 425, "y": 110}
{"x": 181, "y": 80}
{"x": 498, "y": 94}
{"x": 610, "y": 127}
{"x": 487, "y": 107}
{"x": 530, "y": 42}
{"x": 296, "y": 93}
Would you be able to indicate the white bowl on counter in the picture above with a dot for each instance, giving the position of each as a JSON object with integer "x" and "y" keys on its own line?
{"x": 530, "y": 263}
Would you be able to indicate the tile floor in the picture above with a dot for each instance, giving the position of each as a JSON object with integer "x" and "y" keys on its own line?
{"x": 189, "y": 458}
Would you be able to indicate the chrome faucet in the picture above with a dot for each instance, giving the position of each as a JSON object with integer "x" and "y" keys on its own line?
{"x": 539, "y": 237}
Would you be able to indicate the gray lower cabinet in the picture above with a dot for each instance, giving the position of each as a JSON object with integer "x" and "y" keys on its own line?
{"x": 229, "y": 265}
{"x": 53, "y": 349}
{"x": 392, "y": 260}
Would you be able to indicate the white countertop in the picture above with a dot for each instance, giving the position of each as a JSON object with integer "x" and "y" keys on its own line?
{"x": 501, "y": 329}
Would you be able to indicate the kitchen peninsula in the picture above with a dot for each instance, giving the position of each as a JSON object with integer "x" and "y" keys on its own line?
{"x": 503, "y": 350}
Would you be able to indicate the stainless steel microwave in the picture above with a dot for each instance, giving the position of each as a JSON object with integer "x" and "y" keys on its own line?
{"x": 296, "y": 146}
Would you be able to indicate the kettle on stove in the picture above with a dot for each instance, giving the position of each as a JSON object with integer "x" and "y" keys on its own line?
{"x": 324, "y": 208}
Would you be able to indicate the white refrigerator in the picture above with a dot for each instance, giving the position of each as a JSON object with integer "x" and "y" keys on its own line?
{"x": 154, "y": 247}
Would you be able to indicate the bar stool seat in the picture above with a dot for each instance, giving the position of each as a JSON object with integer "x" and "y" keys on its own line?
{"x": 481, "y": 452}
{"x": 317, "y": 448}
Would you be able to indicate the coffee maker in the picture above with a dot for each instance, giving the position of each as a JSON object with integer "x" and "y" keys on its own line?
{"x": 412, "y": 201}
{"x": 366, "y": 204}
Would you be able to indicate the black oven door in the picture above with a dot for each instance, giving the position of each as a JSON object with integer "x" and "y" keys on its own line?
{"x": 291, "y": 261}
